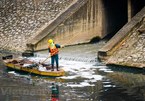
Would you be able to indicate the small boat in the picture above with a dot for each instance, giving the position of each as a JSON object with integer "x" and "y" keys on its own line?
{"x": 31, "y": 67}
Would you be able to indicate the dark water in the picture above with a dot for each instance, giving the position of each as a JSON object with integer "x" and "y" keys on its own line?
{"x": 86, "y": 80}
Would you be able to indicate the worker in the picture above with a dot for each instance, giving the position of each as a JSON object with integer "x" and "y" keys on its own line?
{"x": 53, "y": 52}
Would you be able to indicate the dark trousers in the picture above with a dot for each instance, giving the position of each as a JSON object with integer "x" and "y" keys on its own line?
{"x": 54, "y": 59}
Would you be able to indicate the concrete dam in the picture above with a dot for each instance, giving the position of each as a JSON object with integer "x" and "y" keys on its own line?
{"x": 85, "y": 20}
{"x": 105, "y": 40}
{"x": 27, "y": 25}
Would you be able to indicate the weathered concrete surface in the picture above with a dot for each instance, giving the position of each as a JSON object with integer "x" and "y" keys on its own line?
{"x": 121, "y": 36}
{"x": 127, "y": 47}
{"x": 78, "y": 24}
{"x": 84, "y": 20}
{"x": 66, "y": 21}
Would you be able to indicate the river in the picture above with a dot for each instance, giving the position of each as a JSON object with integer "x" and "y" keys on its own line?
{"x": 86, "y": 79}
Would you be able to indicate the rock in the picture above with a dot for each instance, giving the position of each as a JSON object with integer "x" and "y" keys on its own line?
{"x": 141, "y": 30}
{"x": 120, "y": 60}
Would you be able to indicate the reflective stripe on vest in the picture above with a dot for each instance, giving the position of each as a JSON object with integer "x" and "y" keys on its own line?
{"x": 53, "y": 51}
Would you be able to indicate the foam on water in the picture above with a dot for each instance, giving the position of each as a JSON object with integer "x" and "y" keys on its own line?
{"x": 82, "y": 84}
{"x": 77, "y": 69}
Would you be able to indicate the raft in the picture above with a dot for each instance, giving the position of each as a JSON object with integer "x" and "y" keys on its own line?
{"x": 32, "y": 68}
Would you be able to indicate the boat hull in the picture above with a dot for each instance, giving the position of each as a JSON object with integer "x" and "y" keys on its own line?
{"x": 32, "y": 70}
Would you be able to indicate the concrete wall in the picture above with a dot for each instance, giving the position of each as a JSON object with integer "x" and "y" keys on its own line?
{"x": 134, "y": 6}
{"x": 83, "y": 21}
{"x": 66, "y": 21}
{"x": 79, "y": 27}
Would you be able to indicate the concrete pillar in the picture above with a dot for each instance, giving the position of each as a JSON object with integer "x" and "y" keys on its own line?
{"x": 100, "y": 18}
{"x": 129, "y": 10}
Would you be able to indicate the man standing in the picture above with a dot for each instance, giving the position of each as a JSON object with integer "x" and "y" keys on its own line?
{"x": 53, "y": 52}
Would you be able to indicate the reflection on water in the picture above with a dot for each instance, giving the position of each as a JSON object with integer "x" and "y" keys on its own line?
{"x": 11, "y": 90}
{"x": 130, "y": 80}
{"x": 54, "y": 92}
{"x": 86, "y": 79}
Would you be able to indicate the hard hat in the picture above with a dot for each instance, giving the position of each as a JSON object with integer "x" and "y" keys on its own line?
{"x": 50, "y": 41}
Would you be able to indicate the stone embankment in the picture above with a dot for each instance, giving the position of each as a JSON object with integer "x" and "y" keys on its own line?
{"x": 21, "y": 19}
{"x": 127, "y": 47}
{"x": 132, "y": 51}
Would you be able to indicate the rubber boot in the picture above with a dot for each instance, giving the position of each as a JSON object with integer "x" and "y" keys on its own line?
{"x": 57, "y": 68}
{"x": 52, "y": 68}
